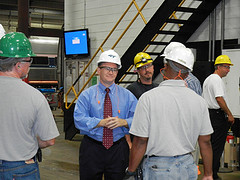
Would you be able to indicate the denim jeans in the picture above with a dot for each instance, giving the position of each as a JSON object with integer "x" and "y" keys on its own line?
{"x": 170, "y": 168}
{"x": 18, "y": 170}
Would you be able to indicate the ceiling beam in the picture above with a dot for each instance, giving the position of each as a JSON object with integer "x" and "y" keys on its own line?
{"x": 53, "y": 5}
{"x": 45, "y": 32}
{"x": 39, "y": 4}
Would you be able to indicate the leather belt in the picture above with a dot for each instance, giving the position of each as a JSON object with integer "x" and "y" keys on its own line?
{"x": 100, "y": 142}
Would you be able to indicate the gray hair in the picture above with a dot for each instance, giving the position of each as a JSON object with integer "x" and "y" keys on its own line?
{"x": 182, "y": 68}
{"x": 7, "y": 63}
{"x": 216, "y": 66}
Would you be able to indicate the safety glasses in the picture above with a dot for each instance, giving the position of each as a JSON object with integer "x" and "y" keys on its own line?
{"x": 29, "y": 61}
{"x": 109, "y": 69}
{"x": 146, "y": 66}
{"x": 228, "y": 67}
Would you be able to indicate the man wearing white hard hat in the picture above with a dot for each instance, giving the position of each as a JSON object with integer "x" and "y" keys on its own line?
{"x": 104, "y": 123}
{"x": 167, "y": 123}
{"x": 192, "y": 83}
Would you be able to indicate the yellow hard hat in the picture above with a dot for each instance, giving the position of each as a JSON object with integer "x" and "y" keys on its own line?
{"x": 223, "y": 59}
{"x": 141, "y": 59}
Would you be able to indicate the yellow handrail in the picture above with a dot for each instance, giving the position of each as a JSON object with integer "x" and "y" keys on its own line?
{"x": 100, "y": 48}
{"x": 163, "y": 26}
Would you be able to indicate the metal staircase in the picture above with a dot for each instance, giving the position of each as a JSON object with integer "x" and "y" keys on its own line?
{"x": 175, "y": 20}
{"x": 180, "y": 30}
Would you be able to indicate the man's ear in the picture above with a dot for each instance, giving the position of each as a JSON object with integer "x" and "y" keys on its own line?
{"x": 98, "y": 70}
{"x": 18, "y": 65}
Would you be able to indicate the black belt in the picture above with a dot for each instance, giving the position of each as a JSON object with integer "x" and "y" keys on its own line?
{"x": 216, "y": 110}
{"x": 165, "y": 156}
{"x": 100, "y": 142}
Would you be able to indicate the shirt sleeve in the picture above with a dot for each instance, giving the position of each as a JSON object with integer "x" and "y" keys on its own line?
{"x": 206, "y": 127}
{"x": 45, "y": 126}
{"x": 217, "y": 88}
{"x": 83, "y": 119}
{"x": 131, "y": 109}
{"x": 141, "y": 120}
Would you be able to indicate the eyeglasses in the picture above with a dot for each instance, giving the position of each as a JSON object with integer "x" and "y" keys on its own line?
{"x": 146, "y": 66}
{"x": 29, "y": 61}
{"x": 109, "y": 69}
{"x": 228, "y": 67}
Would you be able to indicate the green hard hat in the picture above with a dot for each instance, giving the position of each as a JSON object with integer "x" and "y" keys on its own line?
{"x": 15, "y": 44}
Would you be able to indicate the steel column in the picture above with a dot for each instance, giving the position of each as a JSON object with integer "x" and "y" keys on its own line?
{"x": 23, "y": 16}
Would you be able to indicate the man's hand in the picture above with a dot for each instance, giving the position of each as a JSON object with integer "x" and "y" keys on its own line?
{"x": 224, "y": 107}
{"x": 231, "y": 119}
{"x": 115, "y": 122}
{"x": 103, "y": 122}
{"x": 112, "y": 123}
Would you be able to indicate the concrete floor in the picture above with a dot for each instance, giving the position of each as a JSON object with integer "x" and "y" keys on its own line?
{"x": 60, "y": 162}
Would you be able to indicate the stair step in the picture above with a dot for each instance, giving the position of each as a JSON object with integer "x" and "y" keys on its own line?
{"x": 154, "y": 53}
{"x": 172, "y": 33}
{"x": 185, "y": 9}
{"x": 191, "y": 10}
{"x": 158, "y": 43}
{"x": 180, "y": 21}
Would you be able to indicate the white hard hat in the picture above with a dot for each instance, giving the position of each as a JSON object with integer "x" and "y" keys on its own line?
{"x": 183, "y": 56}
{"x": 171, "y": 46}
{"x": 110, "y": 56}
{"x": 2, "y": 31}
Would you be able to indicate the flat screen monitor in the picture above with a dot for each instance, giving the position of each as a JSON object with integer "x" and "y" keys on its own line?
{"x": 76, "y": 43}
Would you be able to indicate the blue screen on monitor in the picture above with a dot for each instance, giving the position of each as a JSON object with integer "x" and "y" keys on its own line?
{"x": 76, "y": 42}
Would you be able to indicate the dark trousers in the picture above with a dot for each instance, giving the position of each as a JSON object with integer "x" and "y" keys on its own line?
{"x": 218, "y": 138}
{"x": 95, "y": 160}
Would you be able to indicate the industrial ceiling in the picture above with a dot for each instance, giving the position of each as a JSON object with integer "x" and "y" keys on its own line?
{"x": 46, "y": 17}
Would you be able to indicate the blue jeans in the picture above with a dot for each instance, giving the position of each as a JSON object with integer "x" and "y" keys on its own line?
{"x": 170, "y": 168}
{"x": 18, "y": 170}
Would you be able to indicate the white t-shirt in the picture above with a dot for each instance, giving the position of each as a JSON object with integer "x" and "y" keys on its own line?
{"x": 24, "y": 114}
{"x": 213, "y": 87}
{"x": 172, "y": 116}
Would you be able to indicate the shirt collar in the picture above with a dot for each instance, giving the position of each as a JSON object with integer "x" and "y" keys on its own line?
{"x": 172, "y": 82}
{"x": 102, "y": 88}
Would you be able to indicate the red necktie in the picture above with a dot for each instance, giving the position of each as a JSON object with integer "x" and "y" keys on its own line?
{"x": 107, "y": 133}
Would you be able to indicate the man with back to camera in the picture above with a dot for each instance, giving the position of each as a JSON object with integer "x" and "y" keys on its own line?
{"x": 143, "y": 64}
{"x": 26, "y": 120}
{"x": 167, "y": 123}
{"x": 104, "y": 122}
{"x": 214, "y": 93}
{"x": 192, "y": 83}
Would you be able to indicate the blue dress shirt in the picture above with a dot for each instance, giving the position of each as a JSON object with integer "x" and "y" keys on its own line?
{"x": 89, "y": 108}
{"x": 194, "y": 84}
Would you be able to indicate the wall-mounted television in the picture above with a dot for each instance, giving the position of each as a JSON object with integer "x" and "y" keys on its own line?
{"x": 76, "y": 43}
